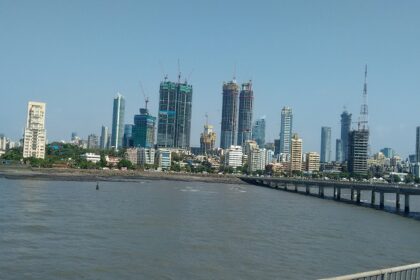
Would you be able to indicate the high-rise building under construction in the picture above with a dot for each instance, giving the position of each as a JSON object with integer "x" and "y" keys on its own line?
{"x": 229, "y": 114}
{"x": 174, "y": 124}
{"x": 246, "y": 99}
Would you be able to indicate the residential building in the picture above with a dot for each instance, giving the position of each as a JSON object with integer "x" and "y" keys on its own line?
{"x": 345, "y": 132}
{"x": 358, "y": 151}
{"x": 163, "y": 158}
{"x": 144, "y": 129}
{"x": 312, "y": 162}
{"x": 146, "y": 156}
{"x": 207, "y": 140}
{"x": 229, "y": 114}
{"x": 118, "y": 122}
{"x": 286, "y": 130}
{"x": 325, "y": 144}
{"x": 258, "y": 131}
{"x": 246, "y": 100}
{"x": 174, "y": 121}
{"x": 104, "y": 138}
{"x": 296, "y": 153}
{"x": 3, "y": 142}
{"x": 233, "y": 156}
{"x": 35, "y": 137}
{"x": 92, "y": 142}
{"x": 131, "y": 154}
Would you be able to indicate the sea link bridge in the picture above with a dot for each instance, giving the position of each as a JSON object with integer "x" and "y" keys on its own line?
{"x": 318, "y": 188}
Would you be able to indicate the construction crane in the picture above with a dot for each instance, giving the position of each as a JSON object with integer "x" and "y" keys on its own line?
{"x": 146, "y": 98}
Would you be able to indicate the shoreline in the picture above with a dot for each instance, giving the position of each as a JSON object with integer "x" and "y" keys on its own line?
{"x": 57, "y": 174}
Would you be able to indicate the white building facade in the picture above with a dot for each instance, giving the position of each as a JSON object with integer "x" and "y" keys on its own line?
{"x": 35, "y": 135}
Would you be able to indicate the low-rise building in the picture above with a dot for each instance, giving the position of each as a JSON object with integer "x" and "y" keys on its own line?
{"x": 92, "y": 157}
{"x": 146, "y": 156}
{"x": 312, "y": 162}
{"x": 163, "y": 159}
{"x": 233, "y": 156}
{"x": 131, "y": 154}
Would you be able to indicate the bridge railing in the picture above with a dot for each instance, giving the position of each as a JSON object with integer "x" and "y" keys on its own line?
{"x": 408, "y": 272}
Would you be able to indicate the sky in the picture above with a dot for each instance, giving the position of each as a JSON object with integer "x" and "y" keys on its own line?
{"x": 309, "y": 55}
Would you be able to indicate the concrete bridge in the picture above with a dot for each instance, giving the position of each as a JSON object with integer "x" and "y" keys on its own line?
{"x": 356, "y": 188}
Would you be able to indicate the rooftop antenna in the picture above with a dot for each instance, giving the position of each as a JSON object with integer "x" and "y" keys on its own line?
{"x": 189, "y": 75}
{"x": 234, "y": 72}
{"x": 162, "y": 69}
{"x": 146, "y": 99}
{"x": 179, "y": 72}
{"x": 363, "y": 119}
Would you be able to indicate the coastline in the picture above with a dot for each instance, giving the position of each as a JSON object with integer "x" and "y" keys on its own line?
{"x": 59, "y": 174}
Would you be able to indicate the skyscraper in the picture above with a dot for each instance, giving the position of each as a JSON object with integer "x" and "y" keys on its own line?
{"x": 345, "y": 130}
{"x": 92, "y": 141}
{"x": 359, "y": 139}
{"x": 118, "y": 122}
{"x": 339, "y": 157}
{"x": 104, "y": 138}
{"x": 174, "y": 124}
{"x": 286, "y": 130}
{"x": 35, "y": 135}
{"x": 246, "y": 99}
{"x": 418, "y": 144}
{"x": 144, "y": 129}
{"x": 128, "y": 135}
{"x": 296, "y": 153}
{"x": 325, "y": 144}
{"x": 229, "y": 114}
{"x": 207, "y": 139}
{"x": 258, "y": 132}
{"x": 358, "y": 151}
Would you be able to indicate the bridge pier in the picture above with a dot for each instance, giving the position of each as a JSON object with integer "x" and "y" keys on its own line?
{"x": 334, "y": 192}
{"x": 358, "y": 196}
{"x": 307, "y": 189}
{"x": 407, "y": 203}
{"x": 352, "y": 194}
{"x": 397, "y": 202}
{"x": 372, "y": 198}
{"x": 338, "y": 193}
{"x": 321, "y": 192}
{"x": 296, "y": 188}
{"x": 382, "y": 200}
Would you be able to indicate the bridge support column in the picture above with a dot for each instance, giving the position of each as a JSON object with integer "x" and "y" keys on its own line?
{"x": 358, "y": 196}
{"x": 334, "y": 192}
{"x": 351, "y": 194}
{"x": 372, "y": 198}
{"x": 307, "y": 189}
{"x": 397, "y": 202}
{"x": 338, "y": 193}
{"x": 382, "y": 200}
{"x": 296, "y": 188}
{"x": 407, "y": 203}
{"x": 321, "y": 191}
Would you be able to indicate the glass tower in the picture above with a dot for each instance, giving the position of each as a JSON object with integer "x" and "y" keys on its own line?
{"x": 286, "y": 130}
{"x": 246, "y": 98}
{"x": 144, "y": 129}
{"x": 229, "y": 114}
{"x": 325, "y": 144}
{"x": 174, "y": 124}
{"x": 118, "y": 122}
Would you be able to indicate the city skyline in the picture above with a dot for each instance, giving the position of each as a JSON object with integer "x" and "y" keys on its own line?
{"x": 73, "y": 74}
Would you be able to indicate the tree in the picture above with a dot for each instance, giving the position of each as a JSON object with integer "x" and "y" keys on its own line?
{"x": 13, "y": 154}
{"x": 125, "y": 163}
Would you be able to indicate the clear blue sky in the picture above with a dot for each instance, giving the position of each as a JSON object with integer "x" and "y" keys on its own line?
{"x": 310, "y": 55}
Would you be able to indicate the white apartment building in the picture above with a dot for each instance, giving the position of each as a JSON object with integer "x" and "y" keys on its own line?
{"x": 146, "y": 156}
{"x": 233, "y": 157}
{"x": 34, "y": 138}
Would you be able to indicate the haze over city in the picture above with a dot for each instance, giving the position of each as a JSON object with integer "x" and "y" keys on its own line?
{"x": 77, "y": 55}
